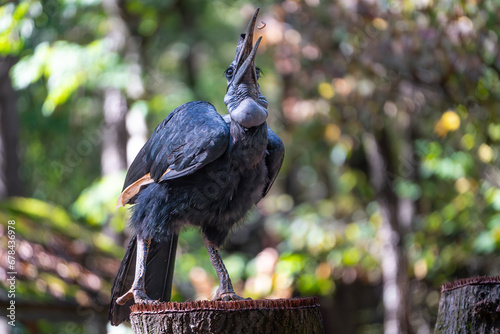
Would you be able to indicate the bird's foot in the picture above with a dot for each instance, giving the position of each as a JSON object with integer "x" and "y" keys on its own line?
{"x": 139, "y": 295}
{"x": 228, "y": 296}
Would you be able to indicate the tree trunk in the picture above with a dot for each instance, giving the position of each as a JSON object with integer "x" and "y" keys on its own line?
{"x": 10, "y": 184}
{"x": 114, "y": 143}
{"x": 395, "y": 277}
{"x": 470, "y": 306}
{"x": 299, "y": 315}
{"x": 115, "y": 157}
{"x": 396, "y": 217}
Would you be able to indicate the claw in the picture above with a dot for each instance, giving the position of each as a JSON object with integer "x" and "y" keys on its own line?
{"x": 125, "y": 298}
{"x": 228, "y": 296}
{"x": 140, "y": 297}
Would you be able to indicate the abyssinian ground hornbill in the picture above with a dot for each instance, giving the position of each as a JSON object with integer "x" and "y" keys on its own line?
{"x": 201, "y": 169}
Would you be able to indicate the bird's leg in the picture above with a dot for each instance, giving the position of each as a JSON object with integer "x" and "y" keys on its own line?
{"x": 225, "y": 291}
{"x": 138, "y": 291}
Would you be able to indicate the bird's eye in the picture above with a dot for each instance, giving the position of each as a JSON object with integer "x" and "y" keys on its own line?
{"x": 229, "y": 73}
{"x": 259, "y": 72}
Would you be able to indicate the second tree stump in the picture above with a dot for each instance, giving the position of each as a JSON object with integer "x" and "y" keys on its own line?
{"x": 470, "y": 305}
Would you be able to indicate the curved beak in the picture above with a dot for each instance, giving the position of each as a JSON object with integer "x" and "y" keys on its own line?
{"x": 246, "y": 52}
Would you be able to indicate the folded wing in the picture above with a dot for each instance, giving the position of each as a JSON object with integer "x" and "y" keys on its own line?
{"x": 190, "y": 137}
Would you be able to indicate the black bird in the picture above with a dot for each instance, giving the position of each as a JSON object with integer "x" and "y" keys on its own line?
{"x": 202, "y": 169}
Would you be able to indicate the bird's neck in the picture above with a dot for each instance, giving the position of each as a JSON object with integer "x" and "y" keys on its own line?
{"x": 248, "y": 145}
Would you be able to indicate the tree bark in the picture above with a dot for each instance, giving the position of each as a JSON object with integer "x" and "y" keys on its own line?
{"x": 470, "y": 306}
{"x": 299, "y": 315}
{"x": 10, "y": 184}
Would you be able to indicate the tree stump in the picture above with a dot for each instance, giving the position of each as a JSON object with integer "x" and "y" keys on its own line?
{"x": 470, "y": 305}
{"x": 297, "y": 315}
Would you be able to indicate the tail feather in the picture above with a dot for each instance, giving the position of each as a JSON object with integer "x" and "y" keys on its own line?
{"x": 123, "y": 282}
{"x": 159, "y": 275}
{"x": 160, "y": 268}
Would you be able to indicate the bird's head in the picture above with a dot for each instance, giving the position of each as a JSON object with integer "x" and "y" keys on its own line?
{"x": 244, "y": 101}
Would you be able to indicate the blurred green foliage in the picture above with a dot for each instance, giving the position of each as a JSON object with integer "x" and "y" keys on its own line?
{"x": 421, "y": 75}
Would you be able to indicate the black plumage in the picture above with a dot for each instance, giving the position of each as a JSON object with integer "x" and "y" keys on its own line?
{"x": 198, "y": 168}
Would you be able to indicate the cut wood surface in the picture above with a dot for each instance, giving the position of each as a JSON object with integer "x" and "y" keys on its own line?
{"x": 296, "y": 315}
{"x": 470, "y": 305}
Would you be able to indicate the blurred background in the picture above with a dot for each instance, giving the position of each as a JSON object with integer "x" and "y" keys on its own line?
{"x": 389, "y": 111}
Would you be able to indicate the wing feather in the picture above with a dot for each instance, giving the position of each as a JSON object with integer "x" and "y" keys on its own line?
{"x": 189, "y": 138}
{"x": 275, "y": 153}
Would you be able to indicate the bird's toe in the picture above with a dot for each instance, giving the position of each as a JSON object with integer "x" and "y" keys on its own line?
{"x": 229, "y": 296}
{"x": 125, "y": 298}
{"x": 139, "y": 295}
